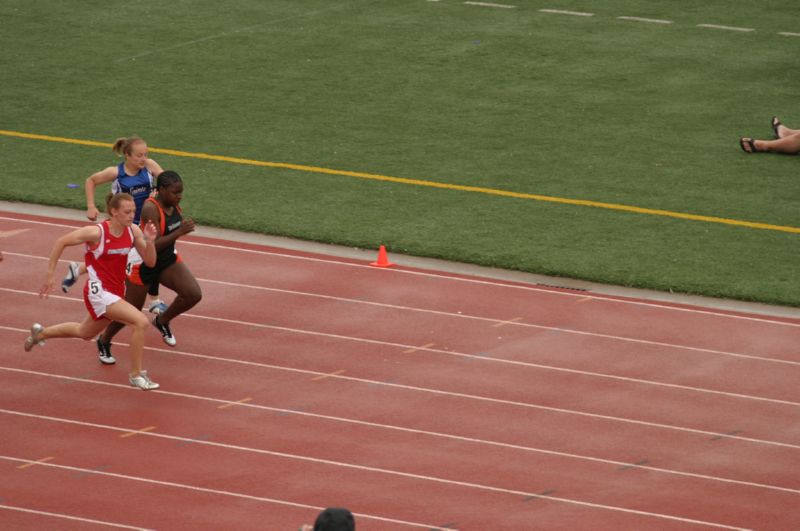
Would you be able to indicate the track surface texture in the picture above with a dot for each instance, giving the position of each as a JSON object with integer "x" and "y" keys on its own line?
{"x": 418, "y": 399}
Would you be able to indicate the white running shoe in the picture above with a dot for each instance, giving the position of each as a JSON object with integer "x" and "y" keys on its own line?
{"x": 104, "y": 352}
{"x": 73, "y": 272}
{"x": 143, "y": 382}
{"x": 157, "y": 307}
{"x": 33, "y": 339}
{"x": 166, "y": 333}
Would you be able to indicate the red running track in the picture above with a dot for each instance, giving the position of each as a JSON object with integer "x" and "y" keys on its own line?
{"x": 417, "y": 399}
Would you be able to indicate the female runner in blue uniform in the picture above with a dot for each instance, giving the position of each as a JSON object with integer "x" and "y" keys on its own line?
{"x": 164, "y": 212}
{"x": 134, "y": 176}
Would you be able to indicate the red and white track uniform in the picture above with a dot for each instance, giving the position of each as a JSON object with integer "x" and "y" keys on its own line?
{"x": 105, "y": 264}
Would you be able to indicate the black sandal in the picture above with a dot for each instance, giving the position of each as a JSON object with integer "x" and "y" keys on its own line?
{"x": 776, "y": 123}
{"x": 746, "y": 143}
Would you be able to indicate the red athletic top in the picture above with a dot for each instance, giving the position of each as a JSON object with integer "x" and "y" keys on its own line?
{"x": 106, "y": 261}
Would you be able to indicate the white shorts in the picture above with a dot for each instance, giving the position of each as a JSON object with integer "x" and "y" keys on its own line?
{"x": 97, "y": 299}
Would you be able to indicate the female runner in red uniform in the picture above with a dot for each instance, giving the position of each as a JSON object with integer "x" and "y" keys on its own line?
{"x": 107, "y": 247}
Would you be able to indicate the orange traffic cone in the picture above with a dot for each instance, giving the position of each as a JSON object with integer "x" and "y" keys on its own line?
{"x": 383, "y": 260}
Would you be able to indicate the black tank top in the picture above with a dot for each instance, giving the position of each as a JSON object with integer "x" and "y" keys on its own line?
{"x": 166, "y": 256}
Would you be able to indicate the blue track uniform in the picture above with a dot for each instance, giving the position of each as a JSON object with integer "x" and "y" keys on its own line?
{"x": 139, "y": 186}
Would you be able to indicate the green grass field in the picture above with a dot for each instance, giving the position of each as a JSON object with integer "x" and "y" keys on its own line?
{"x": 596, "y": 108}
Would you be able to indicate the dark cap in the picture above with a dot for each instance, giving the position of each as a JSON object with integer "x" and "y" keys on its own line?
{"x": 335, "y": 519}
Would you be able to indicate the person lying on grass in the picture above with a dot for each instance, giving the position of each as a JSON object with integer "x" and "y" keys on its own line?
{"x": 786, "y": 141}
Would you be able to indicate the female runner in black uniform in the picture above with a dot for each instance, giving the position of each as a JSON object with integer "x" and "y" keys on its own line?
{"x": 170, "y": 271}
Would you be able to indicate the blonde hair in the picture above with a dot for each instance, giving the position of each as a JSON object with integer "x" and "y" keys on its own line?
{"x": 113, "y": 201}
{"x": 124, "y": 146}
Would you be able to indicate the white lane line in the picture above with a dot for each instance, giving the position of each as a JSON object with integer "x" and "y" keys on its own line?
{"x": 650, "y": 20}
{"x": 426, "y": 348}
{"x": 584, "y": 297}
{"x": 502, "y": 360}
{"x": 409, "y": 348}
{"x": 438, "y": 276}
{"x": 132, "y": 433}
{"x": 10, "y": 233}
{"x": 413, "y": 388}
{"x": 788, "y": 34}
{"x": 77, "y": 225}
{"x": 437, "y": 312}
{"x": 69, "y": 517}
{"x": 413, "y": 431}
{"x": 407, "y": 475}
{"x": 728, "y": 28}
{"x": 562, "y": 12}
{"x": 510, "y": 321}
{"x": 328, "y": 375}
{"x": 488, "y": 4}
{"x": 406, "y": 348}
{"x": 34, "y": 463}
{"x": 210, "y": 491}
{"x": 235, "y": 403}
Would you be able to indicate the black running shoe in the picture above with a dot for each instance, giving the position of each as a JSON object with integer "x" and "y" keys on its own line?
{"x": 104, "y": 352}
{"x": 166, "y": 333}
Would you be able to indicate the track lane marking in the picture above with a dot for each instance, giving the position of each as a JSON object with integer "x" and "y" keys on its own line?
{"x": 140, "y": 431}
{"x": 327, "y": 375}
{"x": 37, "y": 462}
{"x": 463, "y": 355}
{"x": 406, "y": 475}
{"x": 10, "y": 233}
{"x": 439, "y": 392}
{"x": 448, "y": 314}
{"x": 390, "y": 427}
{"x": 499, "y": 284}
{"x": 205, "y": 489}
{"x": 426, "y": 346}
{"x": 515, "y": 320}
{"x": 73, "y": 518}
{"x": 236, "y": 403}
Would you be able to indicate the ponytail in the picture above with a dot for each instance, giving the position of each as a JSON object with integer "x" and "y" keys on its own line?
{"x": 124, "y": 146}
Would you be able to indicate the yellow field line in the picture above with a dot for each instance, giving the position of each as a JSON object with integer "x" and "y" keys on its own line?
{"x": 431, "y": 184}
